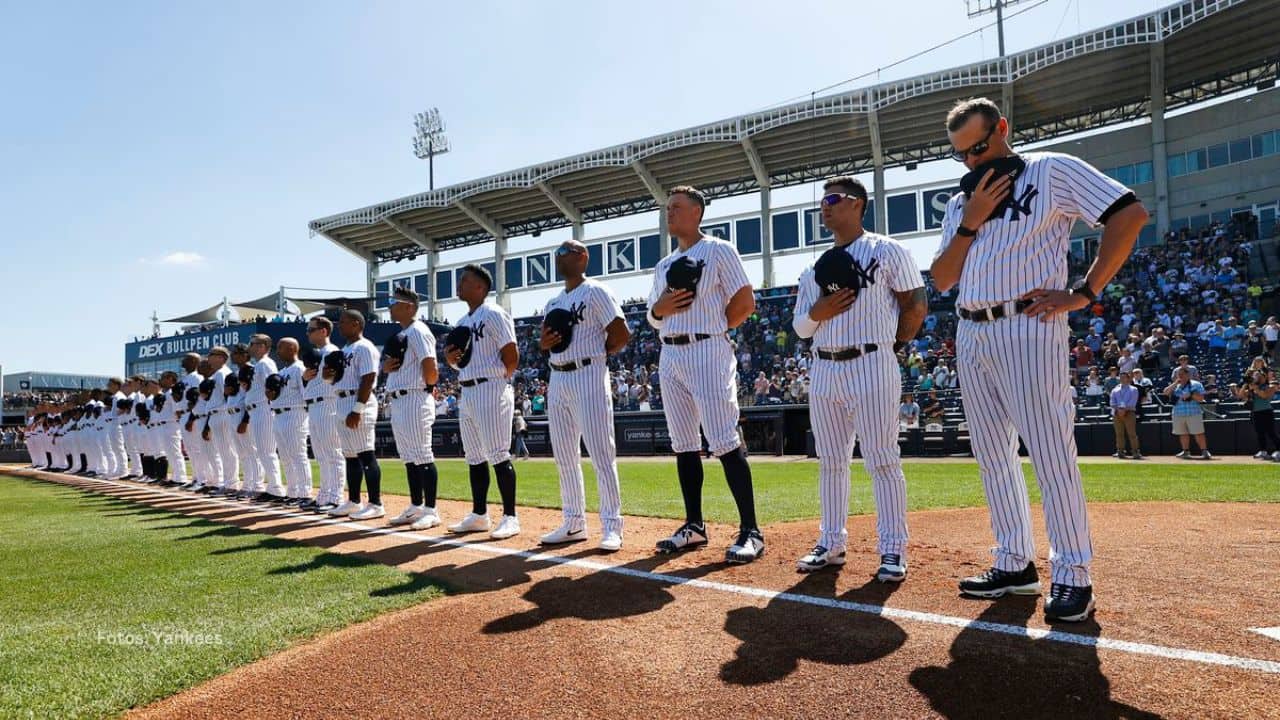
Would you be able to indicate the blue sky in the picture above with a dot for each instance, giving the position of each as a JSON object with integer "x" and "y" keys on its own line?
{"x": 158, "y": 156}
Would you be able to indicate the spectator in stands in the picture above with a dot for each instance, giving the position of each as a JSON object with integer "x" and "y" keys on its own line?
{"x": 1211, "y": 389}
{"x": 1083, "y": 356}
{"x": 1143, "y": 384}
{"x": 519, "y": 433}
{"x": 1257, "y": 393}
{"x": 934, "y": 411}
{"x": 1217, "y": 339}
{"x": 908, "y": 412}
{"x": 1254, "y": 345}
{"x": 761, "y": 388}
{"x": 1127, "y": 362}
{"x": 1184, "y": 363}
{"x": 1188, "y": 415}
{"x": 1271, "y": 338}
{"x": 1094, "y": 391}
{"x": 1233, "y": 335}
{"x": 1124, "y": 409}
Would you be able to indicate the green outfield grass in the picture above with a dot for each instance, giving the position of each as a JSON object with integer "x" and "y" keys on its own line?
{"x": 789, "y": 491}
{"x": 89, "y": 580}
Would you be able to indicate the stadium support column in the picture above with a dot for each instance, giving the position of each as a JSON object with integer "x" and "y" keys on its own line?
{"x": 433, "y": 261}
{"x": 1006, "y": 102}
{"x": 568, "y": 209}
{"x": 660, "y": 199}
{"x": 1159, "y": 156}
{"x": 371, "y": 280}
{"x": 500, "y": 270}
{"x": 499, "y": 235}
{"x": 762, "y": 181}
{"x": 877, "y": 160}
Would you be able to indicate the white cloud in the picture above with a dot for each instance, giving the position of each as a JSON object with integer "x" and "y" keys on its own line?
{"x": 180, "y": 257}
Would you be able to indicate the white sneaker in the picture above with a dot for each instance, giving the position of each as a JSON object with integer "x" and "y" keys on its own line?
{"x": 1276, "y": 456}
{"x": 471, "y": 523}
{"x": 819, "y": 557}
{"x": 564, "y": 534}
{"x": 508, "y": 527}
{"x": 368, "y": 512}
{"x": 611, "y": 542}
{"x": 1261, "y": 455}
{"x": 344, "y": 509}
{"x": 410, "y": 514}
{"x": 428, "y": 520}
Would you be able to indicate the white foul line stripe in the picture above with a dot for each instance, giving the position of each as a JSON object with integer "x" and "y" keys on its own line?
{"x": 1271, "y": 632}
{"x": 1133, "y": 648}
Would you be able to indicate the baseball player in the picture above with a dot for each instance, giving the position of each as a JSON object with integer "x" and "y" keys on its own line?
{"x": 250, "y": 466}
{"x": 176, "y": 407}
{"x": 483, "y": 349}
{"x": 409, "y": 359}
{"x": 1005, "y": 245}
{"x": 223, "y": 424}
{"x": 291, "y": 426}
{"x": 699, "y": 293}
{"x": 117, "y": 457}
{"x": 861, "y": 302}
{"x": 358, "y": 410}
{"x": 132, "y": 391}
{"x": 322, "y": 415}
{"x": 261, "y": 424}
{"x": 225, "y": 469}
{"x": 192, "y": 364}
{"x": 583, "y": 324}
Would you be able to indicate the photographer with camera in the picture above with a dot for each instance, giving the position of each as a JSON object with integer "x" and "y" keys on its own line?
{"x": 1257, "y": 393}
{"x": 1188, "y": 416}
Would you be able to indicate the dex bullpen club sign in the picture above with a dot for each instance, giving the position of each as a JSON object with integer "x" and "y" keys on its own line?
{"x": 197, "y": 343}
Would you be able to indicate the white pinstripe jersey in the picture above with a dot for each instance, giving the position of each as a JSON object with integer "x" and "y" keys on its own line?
{"x": 361, "y": 359}
{"x": 491, "y": 330}
{"x": 291, "y": 391}
{"x": 721, "y": 278}
{"x": 258, "y": 390}
{"x": 1027, "y": 248}
{"x": 887, "y": 267}
{"x": 219, "y": 378}
{"x": 421, "y": 344}
{"x": 236, "y": 401}
{"x": 594, "y": 306}
{"x": 318, "y": 387}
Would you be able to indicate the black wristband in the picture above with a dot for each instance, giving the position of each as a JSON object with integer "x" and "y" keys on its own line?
{"x": 1081, "y": 287}
{"x": 963, "y": 231}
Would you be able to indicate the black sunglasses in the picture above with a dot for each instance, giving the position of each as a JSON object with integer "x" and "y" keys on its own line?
{"x": 977, "y": 148}
{"x": 567, "y": 250}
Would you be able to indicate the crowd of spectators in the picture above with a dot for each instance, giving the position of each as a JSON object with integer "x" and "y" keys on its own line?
{"x": 27, "y": 400}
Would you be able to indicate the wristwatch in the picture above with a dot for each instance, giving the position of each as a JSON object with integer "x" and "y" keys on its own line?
{"x": 963, "y": 231}
{"x": 1081, "y": 287}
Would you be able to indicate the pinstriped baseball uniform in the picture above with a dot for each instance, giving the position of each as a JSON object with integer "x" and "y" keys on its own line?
{"x": 223, "y": 424}
{"x": 484, "y": 411}
{"x": 1014, "y": 370}
{"x": 265, "y": 464}
{"x": 413, "y": 414}
{"x": 580, "y": 407}
{"x": 214, "y": 410}
{"x": 322, "y": 413}
{"x": 195, "y": 447}
{"x": 361, "y": 358}
{"x": 132, "y": 436}
{"x": 175, "y": 411}
{"x": 700, "y": 380}
{"x": 118, "y": 455}
{"x": 291, "y": 428}
{"x": 858, "y": 399}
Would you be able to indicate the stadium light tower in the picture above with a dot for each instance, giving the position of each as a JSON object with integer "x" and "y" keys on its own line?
{"x": 982, "y": 7}
{"x": 429, "y": 140}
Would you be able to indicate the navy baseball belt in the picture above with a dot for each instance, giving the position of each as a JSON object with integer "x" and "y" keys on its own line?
{"x": 345, "y": 393}
{"x": 571, "y": 366}
{"x": 995, "y": 312}
{"x": 685, "y": 339}
{"x": 849, "y": 353}
{"x": 313, "y": 401}
{"x": 282, "y": 410}
{"x": 473, "y": 383}
{"x": 405, "y": 391}
{"x": 254, "y": 406}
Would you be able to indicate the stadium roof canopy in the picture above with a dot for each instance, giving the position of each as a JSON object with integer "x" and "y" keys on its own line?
{"x": 1098, "y": 78}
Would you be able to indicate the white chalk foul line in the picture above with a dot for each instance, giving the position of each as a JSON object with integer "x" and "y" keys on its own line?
{"x": 1133, "y": 648}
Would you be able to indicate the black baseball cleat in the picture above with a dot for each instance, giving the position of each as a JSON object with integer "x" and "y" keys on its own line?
{"x": 748, "y": 547}
{"x": 1068, "y": 603}
{"x": 996, "y": 583}
{"x": 307, "y": 504}
{"x": 274, "y": 499}
{"x": 689, "y": 536}
{"x": 892, "y": 569}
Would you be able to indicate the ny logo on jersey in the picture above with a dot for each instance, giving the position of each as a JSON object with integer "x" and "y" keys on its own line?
{"x": 579, "y": 311}
{"x": 1021, "y": 207}
{"x": 477, "y": 331}
{"x": 865, "y": 276}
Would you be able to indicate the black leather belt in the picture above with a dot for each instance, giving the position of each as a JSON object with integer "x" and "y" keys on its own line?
{"x": 473, "y": 383}
{"x": 281, "y": 410}
{"x": 254, "y": 406}
{"x": 345, "y": 393}
{"x": 685, "y": 339}
{"x": 405, "y": 391}
{"x": 992, "y": 313}
{"x": 849, "y": 353}
{"x": 571, "y": 366}
{"x": 313, "y": 401}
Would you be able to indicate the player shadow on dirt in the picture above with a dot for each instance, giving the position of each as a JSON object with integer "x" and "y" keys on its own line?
{"x": 994, "y": 675}
{"x": 776, "y": 637}
{"x": 601, "y": 595}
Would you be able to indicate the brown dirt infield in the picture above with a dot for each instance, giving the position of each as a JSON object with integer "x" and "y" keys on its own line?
{"x": 522, "y": 637}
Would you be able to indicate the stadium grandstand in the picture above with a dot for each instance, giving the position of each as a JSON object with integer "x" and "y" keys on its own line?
{"x": 1187, "y": 118}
